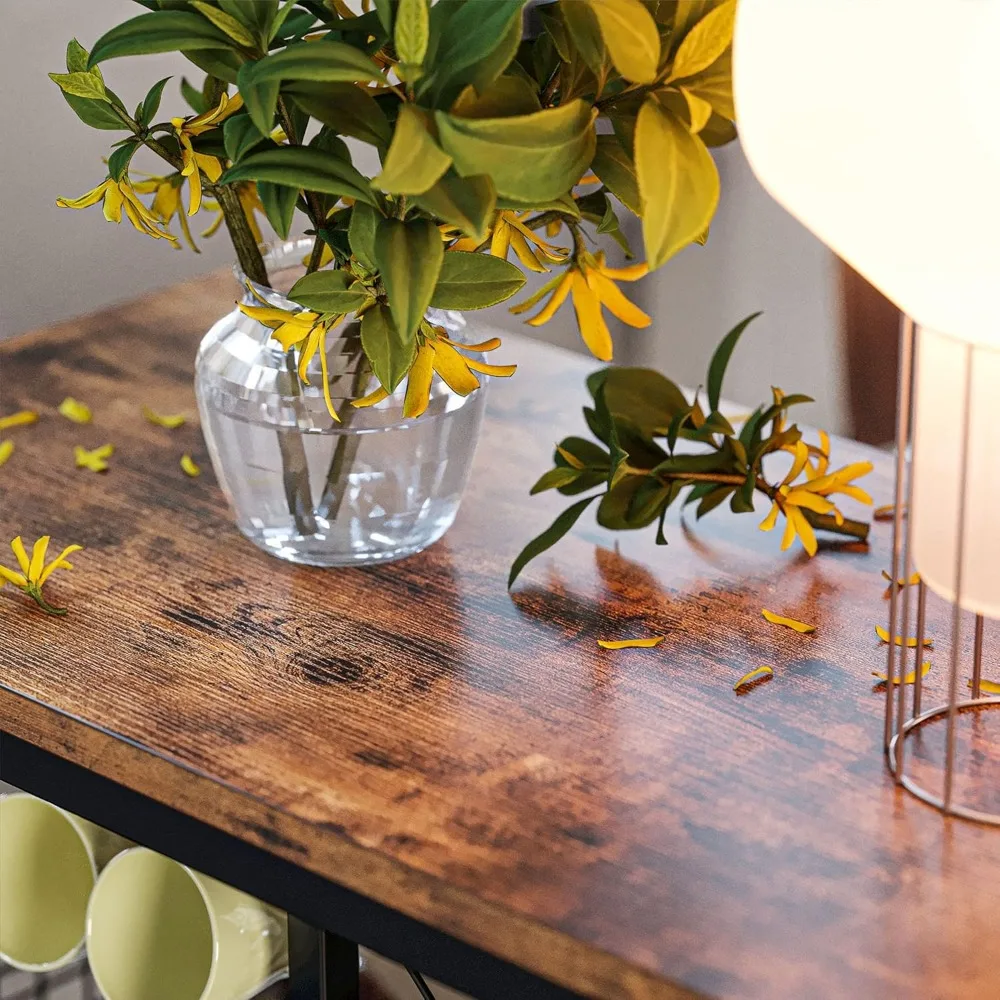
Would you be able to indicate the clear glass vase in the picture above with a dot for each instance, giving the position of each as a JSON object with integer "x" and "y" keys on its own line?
{"x": 372, "y": 488}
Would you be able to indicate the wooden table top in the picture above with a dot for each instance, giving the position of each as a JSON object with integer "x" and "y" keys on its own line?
{"x": 620, "y": 822}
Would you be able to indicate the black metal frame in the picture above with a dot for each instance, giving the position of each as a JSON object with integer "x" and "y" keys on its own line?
{"x": 346, "y": 917}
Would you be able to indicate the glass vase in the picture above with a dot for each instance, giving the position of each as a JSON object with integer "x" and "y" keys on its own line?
{"x": 374, "y": 487}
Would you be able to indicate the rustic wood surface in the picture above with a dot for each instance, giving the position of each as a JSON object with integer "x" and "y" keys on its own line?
{"x": 620, "y": 822}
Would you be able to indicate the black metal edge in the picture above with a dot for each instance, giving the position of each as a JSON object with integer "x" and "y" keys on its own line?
{"x": 308, "y": 896}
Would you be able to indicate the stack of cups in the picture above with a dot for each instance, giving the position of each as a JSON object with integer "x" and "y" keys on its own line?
{"x": 153, "y": 929}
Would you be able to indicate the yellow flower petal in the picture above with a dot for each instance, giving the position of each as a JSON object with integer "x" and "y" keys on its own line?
{"x": 593, "y": 329}
{"x": 189, "y": 466}
{"x": 163, "y": 420}
{"x": 20, "y": 419}
{"x": 649, "y": 643}
{"x": 418, "y": 385}
{"x": 92, "y": 197}
{"x": 6, "y": 450}
{"x": 985, "y": 686}
{"x": 562, "y": 289}
{"x": 60, "y": 562}
{"x": 308, "y": 351}
{"x": 631, "y": 273}
{"x": 372, "y": 398}
{"x": 525, "y": 254}
{"x": 911, "y": 642}
{"x": 326, "y": 377}
{"x": 453, "y": 368}
{"x": 268, "y": 315}
{"x": 293, "y": 332}
{"x": 754, "y": 677}
{"x": 11, "y": 577}
{"x": 113, "y": 201}
{"x": 914, "y": 579}
{"x": 17, "y": 547}
{"x": 788, "y": 537}
{"x": 38, "y": 558}
{"x": 95, "y": 459}
{"x": 925, "y": 669}
{"x": 791, "y": 623}
{"x": 855, "y": 492}
{"x": 811, "y": 501}
{"x": 611, "y": 296}
{"x": 772, "y": 518}
{"x": 73, "y": 410}
{"x": 500, "y": 243}
{"x": 484, "y": 346}
{"x": 801, "y": 453}
{"x": 803, "y": 529}
{"x": 498, "y": 371}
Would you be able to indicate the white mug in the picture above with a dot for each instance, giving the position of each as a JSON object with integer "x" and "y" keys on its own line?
{"x": 49, "y": 862}
{"x": 156, "y": 930}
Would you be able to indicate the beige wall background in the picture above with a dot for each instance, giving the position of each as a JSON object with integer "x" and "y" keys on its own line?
{"x": 59, "y": 263}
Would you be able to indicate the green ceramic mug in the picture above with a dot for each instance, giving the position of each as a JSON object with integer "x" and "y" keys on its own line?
{"x": 156, "y": 930}
{"x": 49, "y": 861}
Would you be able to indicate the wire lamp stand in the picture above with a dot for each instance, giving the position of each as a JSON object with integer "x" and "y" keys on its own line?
{"x": 904, "y": 720}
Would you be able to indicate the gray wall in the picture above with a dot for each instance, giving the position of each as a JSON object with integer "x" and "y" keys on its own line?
{"x": 59, "y": 263}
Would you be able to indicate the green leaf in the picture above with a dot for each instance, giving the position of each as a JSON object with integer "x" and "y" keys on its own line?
{"x": 344, "y": 107}
{"x": 642, "y": 396}
{"x": 329, "y": 291}
{"x": 193, "y": 96}
{"x": 240, "y": 136}
{"x": 617, "y": 172}
{"x": 235, "y": 29}
{"x": 712, "y": 499}
{"x": 557, "y": 530}
{"x": 361, "y": 234}
{"x": 278, "y": 21}
{"x": 302, "y": 167}
{"x": 151, "y": 102}
{"x": 466, "y": 202}
{"x": 593, "y": 456}
{"x": 323, "y": 62}
{"x": 530, "y": 157}
{"x": 742, "y": 501}
{"x": 631, "y": 37}
{"x": 678, "y": 183}
{"x": 414, "y": 161}
{"x": 76, "y": 57}
{"x": 158, "y": 31}
{"x": 505, "y": 97}
{"x": 119, "y": 160}
{"x": 412, "y": 31}
{"x": 384, "y": 9}
{"x": 470, "y": 43}
{"x": 474, "y": 281}
{"x": 279, "y": 205}
{"x": 561, "y": 475}
{"x": 409, "y": 257}
{"x": 96, "y": 114}
{"x": 222, "y": 64}
{"x": 258, "y": 15}
{"x": 705, "y": 42}
{"x": 614, "y": 510}
{"x": 649, "y": 501}
{"x": 720, "y": 360}
{"x": 715, "y": 85}
{"x": 259, "y": 98}
{"x": 585, "y": 33}
{"x": 391, "y": 354}
{"x": 85, "y": 85}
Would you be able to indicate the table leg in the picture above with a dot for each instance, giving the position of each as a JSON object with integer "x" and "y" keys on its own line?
{"x": 322, "y": 966}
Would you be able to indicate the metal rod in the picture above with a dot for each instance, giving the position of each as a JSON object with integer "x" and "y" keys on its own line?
{"x": 906, "y": 337}
{"x": 918, "y": 680}
{"x": 977, "y": 658}
{"x": 907, "y": 569}
{"x": 421, "y": 985}
{"x": 956, "y": 622}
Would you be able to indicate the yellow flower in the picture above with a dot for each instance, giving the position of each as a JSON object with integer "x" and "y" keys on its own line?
{"x": 250, "y": 200}
{"x": 197, "y": 163}
{"x": 95, "y": 460}
{"x": 510, "y": 232}
{"x": 20, "y": 419}
{"x": 6, "y": 450}
{"x": 306, "y": 330}
{"x": 73, "y": 410}
{"x": 792, "y": 498}
{"x": 592, "y": 284}
{"x": 167, "y": 202}
{"x": 436, "y": 352}
{"x": 33, "y": 572}
{"x": 189, "y": 466}
{"x": 118, "y": 195}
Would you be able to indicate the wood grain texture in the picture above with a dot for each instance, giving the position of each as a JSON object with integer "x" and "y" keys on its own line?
{"x": 620, "y": 822}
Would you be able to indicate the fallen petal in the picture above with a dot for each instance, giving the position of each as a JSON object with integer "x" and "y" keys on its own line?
{"x": 911, "y": 642}
{"x": 190, "y": 468}
{"x": 925, "y": 669}
{"x": 754, "y": 677}
{"x": 76, "y": 411}
{"x": 19, "y": 419}
{"x": 6, "y": 450}
{"x": 631, "y": 643}
{"x": 788, "y": 622}
{"x": 985, "y": 686}
{"x": 171, "y": 422}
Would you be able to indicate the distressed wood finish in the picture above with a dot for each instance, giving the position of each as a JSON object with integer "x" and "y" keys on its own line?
{"x": 620, "y": 822}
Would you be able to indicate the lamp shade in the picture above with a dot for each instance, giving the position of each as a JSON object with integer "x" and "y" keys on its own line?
{"x": 874, "y": 122}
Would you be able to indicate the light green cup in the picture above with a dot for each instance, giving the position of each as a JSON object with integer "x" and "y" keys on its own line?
{"x": 49, "y": 860}
{"x": 156, "y": 930}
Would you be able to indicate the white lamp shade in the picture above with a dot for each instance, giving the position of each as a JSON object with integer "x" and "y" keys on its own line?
{"x": 939, "y": 428}
{"x": 875, "y": 123}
